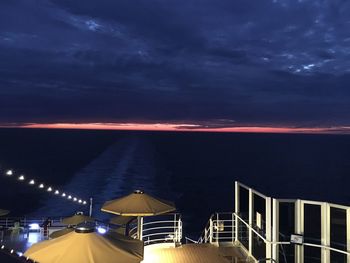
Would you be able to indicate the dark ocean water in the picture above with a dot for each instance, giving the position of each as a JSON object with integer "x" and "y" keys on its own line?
{"x": 195, "y": 170}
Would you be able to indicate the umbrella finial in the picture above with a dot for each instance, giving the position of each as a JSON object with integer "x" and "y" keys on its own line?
{"x": 139, "y": 192}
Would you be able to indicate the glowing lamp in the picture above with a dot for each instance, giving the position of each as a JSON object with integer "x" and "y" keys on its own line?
{"x": 41, "y": 186}
{"x": 21, "y": 178}
{"x": 75, "y": 199}
{"x": 101, "y": 230}
{"x": 80, "y": 201}
{"x": 69, "y": 197}
{"x": 34, "y": 226}
{"x": 2, "y": 247}
{"x": 64, "y": 195}
{"x": 84, "y": 202}
{"x": 49, "y": 189}
{"x": 57, "y": 192}
{"x": 32, "y": 182}
{"x": 9, "y": 172}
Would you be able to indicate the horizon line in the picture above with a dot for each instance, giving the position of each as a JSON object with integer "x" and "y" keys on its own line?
{"x": 185, "y": 127}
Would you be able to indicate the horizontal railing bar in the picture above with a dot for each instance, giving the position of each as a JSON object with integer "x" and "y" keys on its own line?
{"x": 155, "y": 228}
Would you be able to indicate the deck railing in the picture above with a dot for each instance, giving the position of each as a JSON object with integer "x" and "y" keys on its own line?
{"x": 8, "y": 222}
{"x": 219, "y": 229}
{"x": 160, "y": 229}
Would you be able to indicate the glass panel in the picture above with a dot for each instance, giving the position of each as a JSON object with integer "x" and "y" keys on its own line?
{"x": 259, "y": 214}
{"x": 338, "y": 234}
{"x": 312, "y": 224}
{"x": 312, "y": 255}
{"x": 338, "y": 228}
{"x": 259, "y": 224}
{"x": 338, "y": 257}
{"x": 243, "y": 234}
{"x": 259, "y": 247}
{"x": 312, "y": 232}
{"x": 286, "y": 228}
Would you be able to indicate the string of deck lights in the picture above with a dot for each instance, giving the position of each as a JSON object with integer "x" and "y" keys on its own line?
{"x": 49, "y": 189}
{"x": 12, "y": 252}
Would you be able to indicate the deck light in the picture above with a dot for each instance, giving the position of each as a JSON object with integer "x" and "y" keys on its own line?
{"x": 49, "y": 189}
{"x": 34, "y": 226}
{"x": 64, "y": 195}
{"x": 84, "y": 202}
{"x": 9, "y": 172}
{"x": 2, "y": 247}
{"x": 41, "y": 186}
{"x": 12, "y": 251}
{"x": 101, "y": 230}
{"x": 21, "y": 178}
{"x": 80, "y": 201}
{"x": 69, "y": 197}
{"x": 32, "y": 182}
{"x": 75, "y": 199}
{"x": 57, "y": 192}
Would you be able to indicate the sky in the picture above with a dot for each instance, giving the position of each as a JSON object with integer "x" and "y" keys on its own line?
{"x": 176, "y": 64}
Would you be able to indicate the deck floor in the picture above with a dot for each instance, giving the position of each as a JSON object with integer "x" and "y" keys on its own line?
{"x": 194, "y": 253}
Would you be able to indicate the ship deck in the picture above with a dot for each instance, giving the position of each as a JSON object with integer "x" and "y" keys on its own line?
{"x": 194, "y": 253}
{"x": 158, "y": 253}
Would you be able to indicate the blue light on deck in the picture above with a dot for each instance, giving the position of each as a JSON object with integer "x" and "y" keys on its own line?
{"x": 101, "y": 230}
{"x": 34, "y": 226}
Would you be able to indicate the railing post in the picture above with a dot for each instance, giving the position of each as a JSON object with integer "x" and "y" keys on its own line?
{"x": 275, "y": 229}
{"x": 217, "y": 229}
{"x": 233, "y": 226}
{"x": 250, "y": 232}
{"x": 268, "y": 230}
{"x": 236, "y": 210}
{"x": 210, "y": 230}
{"x": 325, "y": 232}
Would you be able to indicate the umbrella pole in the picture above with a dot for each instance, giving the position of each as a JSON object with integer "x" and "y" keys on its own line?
{"x": 139, "y": 227}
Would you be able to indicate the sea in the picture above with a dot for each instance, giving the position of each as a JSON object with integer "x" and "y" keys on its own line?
{"x": 195, "y": 170}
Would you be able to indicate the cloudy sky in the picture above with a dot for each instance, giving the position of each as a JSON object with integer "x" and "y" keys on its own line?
{"x": 183, "y": 63}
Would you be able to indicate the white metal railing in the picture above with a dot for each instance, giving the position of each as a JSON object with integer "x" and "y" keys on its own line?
{"x": 7, "y": 222}
{"x": 219, "y": 229}
{"x": 160, "y": 229}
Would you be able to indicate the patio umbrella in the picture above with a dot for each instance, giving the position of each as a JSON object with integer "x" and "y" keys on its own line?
{"x": 77, "y": 219}
{"x": 84, "y": 245}
{"x": 122, "y": 220}
{"x": 61, "y": 232}
{"x": 138, "y": 204}
{"x": 4, "y": 212}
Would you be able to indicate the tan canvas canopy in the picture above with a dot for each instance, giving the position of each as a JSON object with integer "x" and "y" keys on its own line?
{"x": 4, "y": 212}
{"x": 121, "y": 220}
{"x": 77, "y": 219}
{"x": 87, "y": 248}
{"x": 61, "y": 232}
{"x": 138, "y": 204}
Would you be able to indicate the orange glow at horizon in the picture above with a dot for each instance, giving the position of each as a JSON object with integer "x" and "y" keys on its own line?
{"x": 186, "y": 127}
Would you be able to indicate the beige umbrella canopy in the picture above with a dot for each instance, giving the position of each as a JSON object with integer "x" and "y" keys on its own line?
{"x": 61, "y": 232}
{"x": 87, "y": 247}
{"x": 77, "y": 219}
{"x": 138, "y": 204}
{"x": 121, "y": 220}
{"x": 4, "y": 212}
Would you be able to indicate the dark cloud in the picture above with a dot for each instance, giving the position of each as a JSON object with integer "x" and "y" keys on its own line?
{"x": 280, "y": 62}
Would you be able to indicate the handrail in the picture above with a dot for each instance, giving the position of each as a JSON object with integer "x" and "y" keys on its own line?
{"x": 160, "y": 231}
{"x": 215, "y": 229}
{"x": 288, "y": 243}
